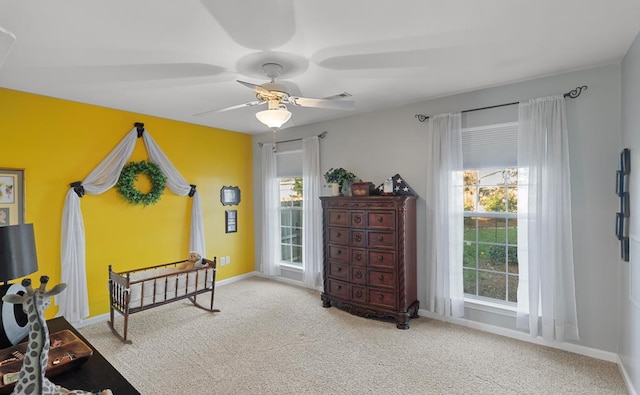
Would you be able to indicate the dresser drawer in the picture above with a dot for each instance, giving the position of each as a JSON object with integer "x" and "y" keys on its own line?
{"x": 359, "y": 294}
{"x": 382, "y": 279}
{"x": 338, "y": 236}
{"x": 381, "y": 220}
{"x": 382, "y": 298}
{"x": 339, "y": 270}
{"x": 357, "y": 238}
{"x": 358, "y": 257}
{"x": 339, "y": 253}
{"x": 338, "y": 288}
{"x": 356, "y": 219}
{"x": 358, "y": 275}
{"x": 381, "y": 239}
{"x": 338, "y": 218}
{"x": 382, "y": 259}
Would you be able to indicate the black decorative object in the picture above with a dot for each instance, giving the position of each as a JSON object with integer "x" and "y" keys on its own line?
{"x": 400, "y": 187}
{"x": 17, "y": 259}
{"x": 622, "y": 190}
{"x": 230, "y": 196}
{"x": 139, "y": 128}
{"x": 231, "y": 221}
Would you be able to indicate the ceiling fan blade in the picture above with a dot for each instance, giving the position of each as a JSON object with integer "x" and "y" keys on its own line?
{"x": 322, "y": 103}
{"x": 255, "y": 87}
{"x": 249, "y": 104}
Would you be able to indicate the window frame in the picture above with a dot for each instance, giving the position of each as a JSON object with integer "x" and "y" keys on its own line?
{"x": 290, "y": 209}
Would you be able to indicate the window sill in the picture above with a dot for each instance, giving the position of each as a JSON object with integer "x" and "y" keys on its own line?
{"x": 290, "y": 267}
{"x": 490, "y": 307}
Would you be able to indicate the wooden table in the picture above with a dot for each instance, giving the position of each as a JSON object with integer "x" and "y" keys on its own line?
{"x": 95, "y": 374}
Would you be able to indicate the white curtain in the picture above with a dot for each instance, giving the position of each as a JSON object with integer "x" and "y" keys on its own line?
{"x": 74, "y": 302}
{"x": 545, "y": 250}
{"x": 270, "y": 212}
{"x": 311, "y": 213}
{"x": 445, "y": 219}
{"x": 7, "y": 41}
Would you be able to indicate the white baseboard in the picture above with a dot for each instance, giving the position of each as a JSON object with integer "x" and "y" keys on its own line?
{"x": 627, "y": 379}
{"x": 574, "y": 348}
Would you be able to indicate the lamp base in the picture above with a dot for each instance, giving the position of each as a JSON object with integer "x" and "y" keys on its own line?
{"x": 14, "y": 323}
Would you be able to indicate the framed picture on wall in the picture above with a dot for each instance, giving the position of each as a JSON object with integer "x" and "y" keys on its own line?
{"x": 619, "y": 182}
{"x": 11, "y": 196}
{"x": 625, "y": 161}
{"x": 230, "y": 196}
{"x": 231, "y": 221}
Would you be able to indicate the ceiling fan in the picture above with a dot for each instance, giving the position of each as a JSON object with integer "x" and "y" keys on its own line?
{"x": 277, "y": 97}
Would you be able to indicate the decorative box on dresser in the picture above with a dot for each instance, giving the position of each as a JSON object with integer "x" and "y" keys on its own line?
{"x": 370, "y": 256}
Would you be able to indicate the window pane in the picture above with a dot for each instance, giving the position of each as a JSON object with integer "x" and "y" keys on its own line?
{"x": 512, "y": 259}
{"x": 491, "y": 230}
{"x": 469, "y": 254}
{"x": 513, "y": 288}
{"x": 296, "y": 236}
{"x": 470, "y": 229}
{"x": 492, "y": 257}
{"x": 512, "y": 229}
{"x": 512, "y": 202}
{"x": 296, "y": 217}
{"x": 285, "y": 217}
{"x": 470, "y": 199}
{"x": 296, "y": 254}
{"x": 492, "y": 285}
{"x": 286, "y": 253}
{"x": 469, "y": 281}
{"x": 470, "y": 177}
{"x": 285, "y": 235}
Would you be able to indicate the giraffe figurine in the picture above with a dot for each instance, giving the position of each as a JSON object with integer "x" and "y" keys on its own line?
{"x": 32, "y": 380}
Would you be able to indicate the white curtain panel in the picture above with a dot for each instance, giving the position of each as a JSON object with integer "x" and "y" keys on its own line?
{"x": 7, "y": 41}
{"x": 445, "y": 219}
{"x": 311, "y": 213}
{"x": 270, "y": 212}
{"x": 546, "y": 286}
{"x": 74, "y": 302}
{"x": 178, "y": 185}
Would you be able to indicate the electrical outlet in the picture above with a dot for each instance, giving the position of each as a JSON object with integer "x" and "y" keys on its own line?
{"x": 223, "y": 261}
{"x": 228, "y": 259}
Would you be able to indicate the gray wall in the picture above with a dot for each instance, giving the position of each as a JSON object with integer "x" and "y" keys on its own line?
{"x": 378, "y": 145}
{"x": 629, "y": 339}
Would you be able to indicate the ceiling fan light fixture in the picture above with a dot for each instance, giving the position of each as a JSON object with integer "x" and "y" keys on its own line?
{"x": 274, "y": 118}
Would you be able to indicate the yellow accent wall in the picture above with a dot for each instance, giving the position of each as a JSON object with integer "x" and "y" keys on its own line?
{"x": 57, "y": 142}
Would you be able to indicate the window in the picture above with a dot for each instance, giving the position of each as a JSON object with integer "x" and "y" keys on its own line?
{"x": 490, "y": 258}
{"x": 291, "y": 221}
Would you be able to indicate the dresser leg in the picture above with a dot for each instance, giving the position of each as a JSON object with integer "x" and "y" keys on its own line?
{"x": 325, "y": 301}
{"x": 402, "y": 321}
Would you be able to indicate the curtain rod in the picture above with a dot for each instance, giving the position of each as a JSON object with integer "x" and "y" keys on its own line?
{"x": 321, "y": 136}
{"x": 571, "y": 94}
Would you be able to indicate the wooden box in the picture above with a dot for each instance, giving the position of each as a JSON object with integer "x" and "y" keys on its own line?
{"x": 362, "y": 189}
{"x": 67, "y": 351}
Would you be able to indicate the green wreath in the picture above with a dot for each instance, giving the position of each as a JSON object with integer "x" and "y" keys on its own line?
{"x": 128, "y": 177}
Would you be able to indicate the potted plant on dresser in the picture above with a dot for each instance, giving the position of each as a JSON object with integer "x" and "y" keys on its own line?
{"x": 341, "y": 177}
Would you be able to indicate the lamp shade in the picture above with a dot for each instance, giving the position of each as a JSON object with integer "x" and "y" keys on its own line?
{"x": 274, "y": 118}
{"x": 17, "y": 251}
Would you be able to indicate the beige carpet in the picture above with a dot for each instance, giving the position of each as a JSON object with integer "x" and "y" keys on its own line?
{"x": 274, "y": 338}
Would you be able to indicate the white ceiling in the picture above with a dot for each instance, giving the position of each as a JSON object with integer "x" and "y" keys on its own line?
{"x": 173, "y": 59}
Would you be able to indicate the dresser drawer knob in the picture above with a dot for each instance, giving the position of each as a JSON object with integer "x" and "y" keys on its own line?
{"x": 358, "y": 293}
{"x": 338, "y": 234}
{"x": 357, "y": 237}
{"x": 339, "y": 286}
{"x": 339, "y": 252}
{"x": 380, "y": 219}
{"x": 380, "y": 258}
{"x": 380, "y": 296}
{"x": 358, "y": 275}
{"x": 358, "y": 256}
{"x": 357, "y": 219}
{"x": 380, "y": 238}
{"x": 339, "y": 269}
{"x": 380, "y": 277}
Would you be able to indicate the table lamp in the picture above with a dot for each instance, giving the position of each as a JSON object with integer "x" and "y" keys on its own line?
{"x": 17, "y": 252}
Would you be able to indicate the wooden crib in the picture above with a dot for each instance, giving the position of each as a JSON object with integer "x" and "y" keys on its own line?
{"x": 142, "y": 289}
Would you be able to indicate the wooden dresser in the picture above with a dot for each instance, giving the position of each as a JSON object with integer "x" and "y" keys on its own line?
{"x": 370, "y": 256}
